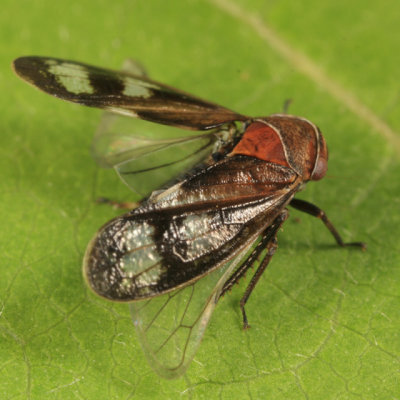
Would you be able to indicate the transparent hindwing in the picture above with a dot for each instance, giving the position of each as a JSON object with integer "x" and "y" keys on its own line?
{"x": 170, "y": 327}
{"x": 147, "y": 156}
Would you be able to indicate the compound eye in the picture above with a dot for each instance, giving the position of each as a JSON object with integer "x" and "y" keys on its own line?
{"x": 321, "y": 166}
{"x": 320, "y": 169}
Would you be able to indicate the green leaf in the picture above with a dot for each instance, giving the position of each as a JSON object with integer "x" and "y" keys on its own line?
{"x": 325, "y": 321}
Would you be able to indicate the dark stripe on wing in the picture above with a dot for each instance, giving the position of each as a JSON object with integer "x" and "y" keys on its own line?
{"x": 122, "y": 93}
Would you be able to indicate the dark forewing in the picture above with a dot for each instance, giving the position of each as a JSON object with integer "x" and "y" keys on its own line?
{"x": 188, "y": 230}
{"x": 122, "y": 93}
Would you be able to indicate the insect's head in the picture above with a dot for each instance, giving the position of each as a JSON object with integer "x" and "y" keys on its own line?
{"x": 286, "y": 140}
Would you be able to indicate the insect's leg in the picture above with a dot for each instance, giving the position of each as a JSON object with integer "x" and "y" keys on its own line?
{"x": 248, "y": 263}
{"x": 286, "y": 105}
{"x": 268, "y": 241}
{"x": 315, "y": 211}
{"x": 271, "y": 248}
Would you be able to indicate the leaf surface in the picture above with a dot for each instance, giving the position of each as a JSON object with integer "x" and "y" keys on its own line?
{"x": 325, "y": 321}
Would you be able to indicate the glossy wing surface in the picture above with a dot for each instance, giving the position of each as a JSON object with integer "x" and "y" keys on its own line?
{"x": 122, "y": 93}
{"x": 188, "y": 230}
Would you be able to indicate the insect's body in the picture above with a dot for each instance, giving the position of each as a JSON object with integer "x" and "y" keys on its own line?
{"x": 193, "y": 227}
{"x": 214, "y": 224}
{"x": 174, "y": 242}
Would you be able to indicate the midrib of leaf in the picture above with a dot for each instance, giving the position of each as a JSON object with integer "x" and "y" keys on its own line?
{"x": 309, "y": 68}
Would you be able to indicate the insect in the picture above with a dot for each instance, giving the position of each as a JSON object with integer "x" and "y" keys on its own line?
{"x": 214, "y": 199}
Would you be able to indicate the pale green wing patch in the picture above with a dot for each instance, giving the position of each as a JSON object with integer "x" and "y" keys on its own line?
{"x": 73, "y": 77}
{"x": 122, "y": 92}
